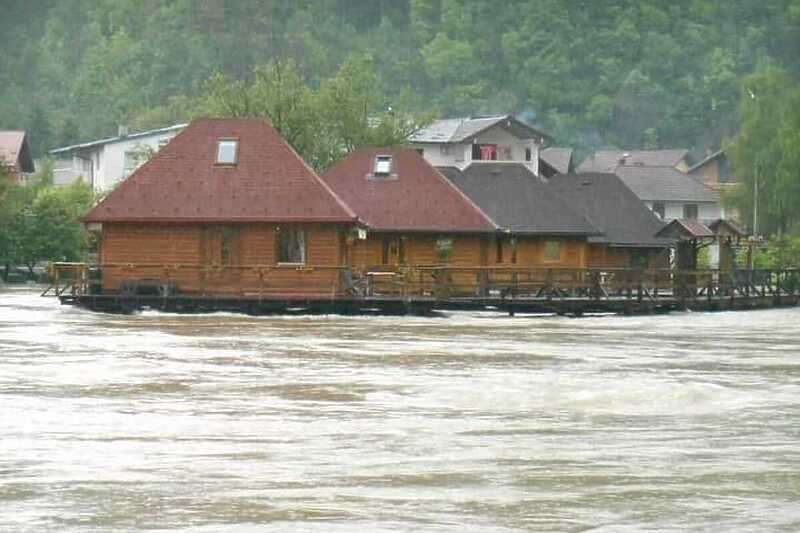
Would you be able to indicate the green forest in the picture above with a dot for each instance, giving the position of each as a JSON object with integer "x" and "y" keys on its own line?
{"x": 632, "y": 73}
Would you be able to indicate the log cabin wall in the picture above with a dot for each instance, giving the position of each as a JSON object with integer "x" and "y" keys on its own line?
{"x": 194, "y": 257}
{"x": 389, "y": 250}
{"x": 532, "y": 252}
{"x": 604, "y": 256}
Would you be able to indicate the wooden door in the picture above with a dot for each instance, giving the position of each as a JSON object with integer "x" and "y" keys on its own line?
{"x": 221, "y": 257}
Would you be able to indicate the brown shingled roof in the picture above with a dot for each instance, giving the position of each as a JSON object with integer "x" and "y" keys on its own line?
{"x": 14, "y": 150}
{"x": 414, "y": 197}
{"x": 182, "y": 183}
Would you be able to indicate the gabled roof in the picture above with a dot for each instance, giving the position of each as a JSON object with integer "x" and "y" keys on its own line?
{"x": 664, "y": 184}
{"x": 608, "y": 160}
{"x": 715, "y": 155}
{"x": 458, "y": 130}
{"x": 560, "y": 159}
{"x": 680, "y": 228}
{"x": 415, "y": 197}
{"x": 182, "y": 183}
{"x": 15, "y": 151}
{"x": 724, "y": 226}
{"x": 517, "y": 200}
{"x": 611, "y": 207}
{"x": 110, "y": 140}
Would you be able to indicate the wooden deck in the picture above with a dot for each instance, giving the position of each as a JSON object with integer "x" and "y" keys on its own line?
{"x": 426, "y": 289}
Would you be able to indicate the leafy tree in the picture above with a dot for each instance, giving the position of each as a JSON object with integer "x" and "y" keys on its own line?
{"x": 39, "y": 222}
{"x": 593, "y": 73}
{"x": 766, "y": 152}
{"x": 322, "y": 124}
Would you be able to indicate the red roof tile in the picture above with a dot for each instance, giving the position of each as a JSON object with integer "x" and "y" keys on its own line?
{"x": 182, "y": 183}
{"x": 415, "y": 197}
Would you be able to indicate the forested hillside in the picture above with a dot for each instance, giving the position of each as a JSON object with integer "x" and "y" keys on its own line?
{"x": 633, "y": 73}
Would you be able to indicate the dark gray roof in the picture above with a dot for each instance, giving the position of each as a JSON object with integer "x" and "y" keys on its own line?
{"x": 456, "y": 130}
{"x": 558, "y": 158}
{"x": 517, "y": 200}
{"x": 608, "y": 160}
{"x": 664, "y": 184}
{"x": 609, "y": 205}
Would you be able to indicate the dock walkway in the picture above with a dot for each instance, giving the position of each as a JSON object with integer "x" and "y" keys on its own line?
{"x": 423, "y": 290}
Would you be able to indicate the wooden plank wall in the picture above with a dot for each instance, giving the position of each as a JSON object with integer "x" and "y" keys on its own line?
{"x": 256, "y": 246}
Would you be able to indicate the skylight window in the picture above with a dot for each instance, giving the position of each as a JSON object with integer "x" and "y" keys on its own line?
{"x": 383, "y": 165}
{"x": 227, "y": 151}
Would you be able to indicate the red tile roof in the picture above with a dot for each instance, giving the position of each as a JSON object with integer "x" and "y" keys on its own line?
{"x": 415, "y": 197}
{"x": 182, "y": 183}
{"x": 685, "y": 228}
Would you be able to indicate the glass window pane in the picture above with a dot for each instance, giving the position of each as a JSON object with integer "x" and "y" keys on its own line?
{"x": 383, "y": 164}
{"x": 552, "y": 250}
{"x": 226, "y": 152}
{"x": 292, "y": 246}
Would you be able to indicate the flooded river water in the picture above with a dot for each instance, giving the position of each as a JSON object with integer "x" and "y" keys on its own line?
{"x": 471, "y": 422}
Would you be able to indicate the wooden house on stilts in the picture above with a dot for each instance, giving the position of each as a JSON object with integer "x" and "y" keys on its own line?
{"x": 227, "y": 208}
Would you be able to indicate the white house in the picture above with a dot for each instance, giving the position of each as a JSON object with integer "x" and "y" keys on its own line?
{"x": 106, "y": 162}
{"x": 460, "y": 142}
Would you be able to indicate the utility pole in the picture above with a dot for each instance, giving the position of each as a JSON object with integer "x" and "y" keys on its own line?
{"x": 755, "y": 198}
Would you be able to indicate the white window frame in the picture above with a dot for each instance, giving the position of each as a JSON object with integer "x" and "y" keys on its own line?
{"x": 227, "y": 142}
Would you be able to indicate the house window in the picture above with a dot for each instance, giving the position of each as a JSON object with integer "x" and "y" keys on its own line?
{"x": 383, "y": 165}
{"x": 394, "y": 250}
{"x": 690, "y": 211}
{"x": 227, "y": 151}
{"x": 528, "y": 154}
{"x": 446, "y": 149}
{"x": 513, "y": 244}
{"x": 659, "y": 209}
{"x": 132, "y": 161}
{"x": 292, "y": 244}
{"x": 444, "y": 249}
{"x": 552, "y": 251}
{"x": 228, "y": 246}
{"x": 484, "y": 152}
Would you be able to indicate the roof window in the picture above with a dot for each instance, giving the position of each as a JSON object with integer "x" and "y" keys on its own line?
{"x": 227, "y": 151}
{"x": 383, "y": 165}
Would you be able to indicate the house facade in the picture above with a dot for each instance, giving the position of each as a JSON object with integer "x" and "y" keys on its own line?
{"x": 15, "y": 155}
{"x": 671, "y": 194}
{"x": 226, "y": 208}
{"x": 536, "y": 228}
{"x": 460, "y": 142}
{"x": 627, "y": 227}
{"x": 106, "y": 162}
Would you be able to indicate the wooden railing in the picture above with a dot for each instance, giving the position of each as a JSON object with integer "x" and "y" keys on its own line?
{"x": 423, "y": 282}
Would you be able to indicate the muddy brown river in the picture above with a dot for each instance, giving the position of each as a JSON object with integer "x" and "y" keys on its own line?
{"x": 465, "y": 422}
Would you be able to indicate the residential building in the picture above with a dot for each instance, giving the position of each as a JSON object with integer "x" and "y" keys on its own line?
{"x": 15, "y": 154}
{"x": 460, "y": 142}
{"x": 106, "y": 162}
{"x": 627, "y": 226}
{"x": 412, "y": 214}
{"x": 227, "y": 208}
{"x": 608, "y": 160}
{"x": 671, "y": 194}
{"x": 536, "y": 228}
{"x": 715, "y": 172}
